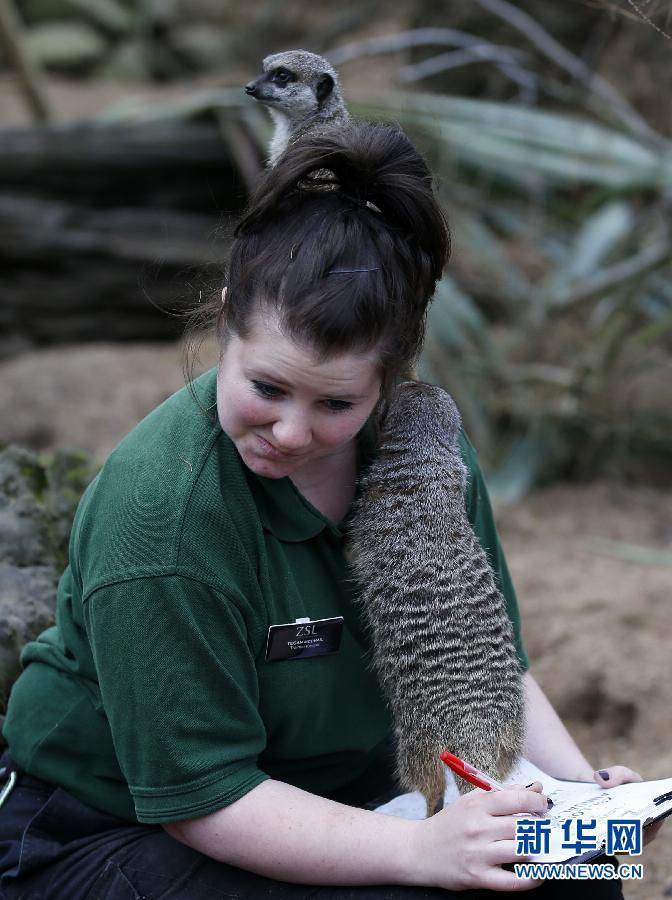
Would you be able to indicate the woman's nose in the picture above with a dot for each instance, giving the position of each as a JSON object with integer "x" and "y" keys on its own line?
{"x": 292, "y": 431}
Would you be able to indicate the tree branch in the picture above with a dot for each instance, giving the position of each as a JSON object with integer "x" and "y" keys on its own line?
{"x": 29, "y": 74}
{"x": 501, "y": 56}
{"x": 551, "y": 48}
{"x": 416, "y": 37}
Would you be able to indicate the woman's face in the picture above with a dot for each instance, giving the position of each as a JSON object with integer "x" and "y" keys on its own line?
{"x": 286, "y": 413}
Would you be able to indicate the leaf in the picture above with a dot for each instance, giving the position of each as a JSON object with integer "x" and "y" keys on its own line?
{"x": 595, "y": 240}
{"x": 520, "y": 143}
{"x": 520, "y": 468}
{"x": 455, "y": 320}
{"x": 65, "y": 45}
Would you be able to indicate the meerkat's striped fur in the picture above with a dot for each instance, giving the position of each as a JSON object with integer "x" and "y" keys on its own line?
{"x": 442, "y": 641}
{"x": 302, "y": 93}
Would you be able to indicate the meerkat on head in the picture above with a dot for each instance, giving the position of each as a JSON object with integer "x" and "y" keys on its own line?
{"x": 301, "y": 91}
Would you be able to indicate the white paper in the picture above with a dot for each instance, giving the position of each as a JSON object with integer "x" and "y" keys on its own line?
{"x": 571, "y": 799}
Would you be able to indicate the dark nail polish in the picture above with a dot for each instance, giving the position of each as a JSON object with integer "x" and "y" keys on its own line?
{"x": 603, "y": 774}
{"x": 550, "y": 803}
{"x": 530, "y": 784}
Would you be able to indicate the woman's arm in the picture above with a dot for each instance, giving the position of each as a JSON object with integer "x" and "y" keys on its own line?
{"x": 549, "y": 745}
{"x": 282, "y": 832}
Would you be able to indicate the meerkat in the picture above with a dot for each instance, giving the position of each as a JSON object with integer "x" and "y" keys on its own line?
{"x": 442, "y": 642}
{"x": 301, "y": 91}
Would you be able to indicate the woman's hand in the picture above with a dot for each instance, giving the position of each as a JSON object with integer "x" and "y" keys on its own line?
{"x": 465, "y": 845}
{"x": 609, "y": 778}
{"x": 613, "y": 775}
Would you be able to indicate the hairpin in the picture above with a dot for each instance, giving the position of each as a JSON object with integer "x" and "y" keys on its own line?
{"x": 364, "y": 204}
{"x": 351, "y": 271}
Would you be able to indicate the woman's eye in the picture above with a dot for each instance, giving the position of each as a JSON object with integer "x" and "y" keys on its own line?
{"x": 338, "y": 405}
{"x": 266, "y": 390}
{"x": 270, "y": 391}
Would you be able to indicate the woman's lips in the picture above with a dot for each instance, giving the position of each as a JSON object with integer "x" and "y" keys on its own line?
{"x": 272, "y": 452}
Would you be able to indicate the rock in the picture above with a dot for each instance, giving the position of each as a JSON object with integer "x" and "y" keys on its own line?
{"x": 68, "y": 473}
{"x": 38, "y": 499}
{"x": 27, "y": 607}
{"x": 23, "y": 528}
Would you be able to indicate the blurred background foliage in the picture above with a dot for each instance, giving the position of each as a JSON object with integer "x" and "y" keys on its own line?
{"x": 547, "y": 124}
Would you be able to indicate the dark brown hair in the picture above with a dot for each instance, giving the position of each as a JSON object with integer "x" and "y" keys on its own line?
{"x": 345, "y": 239}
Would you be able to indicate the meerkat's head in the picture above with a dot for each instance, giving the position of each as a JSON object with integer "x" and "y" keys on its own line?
{"x": 295, "y": 83}
{"x": 425, "y": 410}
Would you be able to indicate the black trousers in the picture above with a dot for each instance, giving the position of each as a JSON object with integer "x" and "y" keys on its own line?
{"x": 53, "y": 847}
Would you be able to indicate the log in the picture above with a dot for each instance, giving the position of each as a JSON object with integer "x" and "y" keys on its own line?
{"x": 104, "y": 228}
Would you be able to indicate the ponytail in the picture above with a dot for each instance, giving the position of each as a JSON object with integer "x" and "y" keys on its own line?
{"x": 345, "y": 240}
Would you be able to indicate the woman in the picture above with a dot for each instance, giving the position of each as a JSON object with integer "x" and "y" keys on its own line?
{"x": 162, "y": 749}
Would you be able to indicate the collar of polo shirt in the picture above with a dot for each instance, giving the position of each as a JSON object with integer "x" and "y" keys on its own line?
{"x": 286, "y": 513}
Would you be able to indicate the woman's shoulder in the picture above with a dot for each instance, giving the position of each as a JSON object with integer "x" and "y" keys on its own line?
{"x": 468, "y": 452}
{"x": 185, "y": 417}
{"x": 160, "y": 456}
{"x": 175, "y": 474}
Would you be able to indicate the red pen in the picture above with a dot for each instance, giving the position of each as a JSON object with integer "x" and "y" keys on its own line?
{"x": 470, "y": 773}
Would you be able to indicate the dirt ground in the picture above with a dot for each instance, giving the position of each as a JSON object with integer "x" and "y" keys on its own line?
{"x": 592, "y": 563}
{"x": 597, "y": 622}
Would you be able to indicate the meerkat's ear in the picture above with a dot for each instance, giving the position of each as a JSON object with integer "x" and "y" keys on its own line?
{"x": 325, "y": 85}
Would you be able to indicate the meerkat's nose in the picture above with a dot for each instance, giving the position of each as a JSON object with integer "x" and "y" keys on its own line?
{"x": 251, "y": 87}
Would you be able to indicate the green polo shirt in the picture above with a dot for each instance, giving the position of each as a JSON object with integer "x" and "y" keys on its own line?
{"x": 151, "y": 698}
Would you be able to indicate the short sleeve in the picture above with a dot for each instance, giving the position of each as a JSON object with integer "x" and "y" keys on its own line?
{"x": 179, "y": 687}
{"x": 479, "y": 513}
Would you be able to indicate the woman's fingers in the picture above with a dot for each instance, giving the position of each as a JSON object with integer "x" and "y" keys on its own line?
{"x": 516, "y": 800}
{"x": 613, "y": 775}
{"x": 502, "y": 828}
{"x": 463, "y": 846}
{"x": 498, "y": 879}
{"x": 533, "y": 786}
{"x": 500, "y": 853}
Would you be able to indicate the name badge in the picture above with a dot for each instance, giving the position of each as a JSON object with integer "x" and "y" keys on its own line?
{"x": 304, "y": 638}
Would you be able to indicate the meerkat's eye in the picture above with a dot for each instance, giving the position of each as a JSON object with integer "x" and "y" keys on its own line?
{"x": 282, "y": 76}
